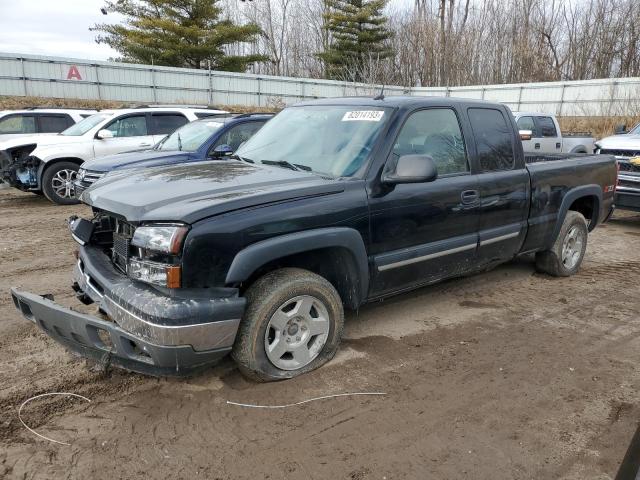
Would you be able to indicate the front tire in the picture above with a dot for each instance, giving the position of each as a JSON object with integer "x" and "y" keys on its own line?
{"x": 292, "y": 325}
{"x": 57, "y": 183}
{"x": 564, "y": 258}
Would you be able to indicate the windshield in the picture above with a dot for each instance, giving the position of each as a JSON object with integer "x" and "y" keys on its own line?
{"x": 83, "y": 126}
{"x": 635, "y": 130}
{"x": 329, "y": 139}
{"x": 189, "y": 137}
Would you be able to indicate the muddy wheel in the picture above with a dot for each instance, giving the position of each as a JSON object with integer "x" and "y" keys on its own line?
{"x": 566, "y": 255}
{"x": 57, "y": 183}
{"x": 292, "y": 325}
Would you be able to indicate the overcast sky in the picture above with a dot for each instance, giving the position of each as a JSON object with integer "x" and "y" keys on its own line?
{"x": 53, "y": 27}
{"x": 60, "y": 27}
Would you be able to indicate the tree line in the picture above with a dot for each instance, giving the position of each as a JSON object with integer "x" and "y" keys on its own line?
{"x": 424, "y": 43}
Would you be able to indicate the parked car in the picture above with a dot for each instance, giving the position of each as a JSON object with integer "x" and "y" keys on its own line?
{"x": 34, "y": 121}
{"x": 48, "y": 164}
{"x": 546, "y": 136}
{"x": 332, "y": 204}
{"x": 625, "y": 146}
{"x": 193, "y": 142}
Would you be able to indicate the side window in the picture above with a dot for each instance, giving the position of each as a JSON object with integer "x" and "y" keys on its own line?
{"x": 18, "y": 124}
{"x": 132, "y": 126}
{"x": 527, "y": 123}
{"x": 494, "y": 139}
{"x": 547, "y": 127}
{"x": 54, "y": 123}
{"x": 238, "y": 134}
{"x": 435, "y": 132}
{"x": 166, "y": 123}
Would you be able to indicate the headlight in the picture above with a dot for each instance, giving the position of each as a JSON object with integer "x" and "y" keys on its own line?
{"x": 160, "y": 238}
{"x": 154, "y": 272}
{"x": 81, "y": 174}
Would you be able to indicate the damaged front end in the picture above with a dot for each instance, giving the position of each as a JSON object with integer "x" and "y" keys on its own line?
{"x": 19, "y": 168}
{"x": 141, "y": 324}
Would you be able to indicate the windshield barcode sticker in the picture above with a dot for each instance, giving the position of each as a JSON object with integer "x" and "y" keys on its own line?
{"x": 363, "y": 116}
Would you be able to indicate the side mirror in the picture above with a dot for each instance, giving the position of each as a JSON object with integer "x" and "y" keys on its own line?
{"x": 104, "y": 134}
{"x": 620, "y": 129}
{"x": 526, "y": 134}
{"x": 411, "y": 169}
{"x": 223, "y": 150}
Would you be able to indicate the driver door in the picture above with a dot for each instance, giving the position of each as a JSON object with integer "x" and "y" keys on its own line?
{"x": 423, "y": 232}
{"x": 130, "y": 132}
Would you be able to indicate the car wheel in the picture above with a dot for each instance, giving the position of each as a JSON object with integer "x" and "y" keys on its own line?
{"x": 292, "y": 325}
{"x": 564, "y": 258}
{"x": 57, "y": 183}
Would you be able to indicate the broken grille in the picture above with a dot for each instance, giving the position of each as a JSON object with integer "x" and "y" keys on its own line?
{"x": 121, "y": 244}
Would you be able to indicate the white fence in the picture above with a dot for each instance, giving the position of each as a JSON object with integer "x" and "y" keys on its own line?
{"x": 54, "y": 77}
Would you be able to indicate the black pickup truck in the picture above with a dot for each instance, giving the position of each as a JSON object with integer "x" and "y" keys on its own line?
{"x": 334, "y": 203}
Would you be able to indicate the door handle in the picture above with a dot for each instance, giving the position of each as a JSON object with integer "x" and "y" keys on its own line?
{"x": 558, "y": 145}
{"x": 537, "y": 146}
{"x": 469, "y": 197}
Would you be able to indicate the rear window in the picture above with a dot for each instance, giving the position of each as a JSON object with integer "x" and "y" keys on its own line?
{"x": 494, "y": 139}
{"x": 547, "y": 127}
{"x": 164, "y": 124}
{"x": 54, "y": 123}
{"x": 18, "y": 124}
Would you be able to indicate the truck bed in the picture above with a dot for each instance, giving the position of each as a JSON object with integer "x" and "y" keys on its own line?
{"x": 552, "y": 176}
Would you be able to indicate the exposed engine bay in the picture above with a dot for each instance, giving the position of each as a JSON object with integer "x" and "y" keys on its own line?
{"x": 18, "y": 168}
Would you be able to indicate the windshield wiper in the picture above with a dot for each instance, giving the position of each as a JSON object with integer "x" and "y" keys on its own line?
{"x": 292, "y": 166}
{"x": 179, "y": 143}
{"x": 235, "y": 156}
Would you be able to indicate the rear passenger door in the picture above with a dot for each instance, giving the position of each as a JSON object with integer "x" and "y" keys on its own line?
{"x": 130, "y": 132}
{"x": 550, "y": 140}
{"x": 422, "y": 232}
{"x": 504, "y": 185}
{"x": 162, "y": 124}
{"x": 53, "y": 123}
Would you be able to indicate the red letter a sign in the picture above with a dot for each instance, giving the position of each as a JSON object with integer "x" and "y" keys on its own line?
{"x": 74, "y": 73}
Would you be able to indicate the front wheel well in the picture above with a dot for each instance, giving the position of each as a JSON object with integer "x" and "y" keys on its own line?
{"x": 335, "y": 264}
{"x": 51, "y": 163}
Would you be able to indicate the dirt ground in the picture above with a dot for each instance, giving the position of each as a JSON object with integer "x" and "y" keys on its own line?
{"x": 505, "y": 375}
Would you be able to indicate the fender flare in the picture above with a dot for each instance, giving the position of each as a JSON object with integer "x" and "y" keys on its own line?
{"x": 570, "y": 197}
{"x": 260, "y": 253}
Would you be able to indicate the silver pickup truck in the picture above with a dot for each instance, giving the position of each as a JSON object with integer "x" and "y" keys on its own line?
{"x": 626, "y": 148}
{"x": 546, "y": 136}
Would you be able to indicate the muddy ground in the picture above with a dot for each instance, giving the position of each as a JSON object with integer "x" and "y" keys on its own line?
{"x": 505, "y": 375}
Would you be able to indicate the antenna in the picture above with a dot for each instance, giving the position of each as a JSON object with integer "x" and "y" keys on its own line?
{"x": 380, "y": 96}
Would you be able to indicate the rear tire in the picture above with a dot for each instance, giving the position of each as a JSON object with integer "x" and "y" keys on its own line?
{"x": 292, "y": 325}
{"x": 57, "y": 183}
{"x": 564, "y": 258}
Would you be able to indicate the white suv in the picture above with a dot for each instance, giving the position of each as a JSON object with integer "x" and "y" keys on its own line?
{"x": 49, "y": 163}
{"x": 34, "y": 121}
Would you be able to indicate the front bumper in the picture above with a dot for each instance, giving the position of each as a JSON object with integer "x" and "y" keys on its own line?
{"x": 150, "y": 331}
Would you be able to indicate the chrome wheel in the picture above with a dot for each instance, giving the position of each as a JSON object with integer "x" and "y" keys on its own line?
{"x": 296, "y": 332}
{"x": 62, "y": 183}
{"x": 572, "y": 247}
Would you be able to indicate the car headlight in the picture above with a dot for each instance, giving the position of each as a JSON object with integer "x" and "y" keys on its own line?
{"x": 160, "y": 238}
{"x": 81, "y": 173}
{"x": 154, "y": 272}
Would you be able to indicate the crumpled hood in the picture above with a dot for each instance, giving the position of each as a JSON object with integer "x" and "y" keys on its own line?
{"x": 193, "y": 191}
{"x": 620, "y": 142}
{"x": 142, "y": 158}
{"x": 42, "y": 140}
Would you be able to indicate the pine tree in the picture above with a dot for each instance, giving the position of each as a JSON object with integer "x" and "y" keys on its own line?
{"x": 177, "y": 33}
{"x": 358, "y": 36}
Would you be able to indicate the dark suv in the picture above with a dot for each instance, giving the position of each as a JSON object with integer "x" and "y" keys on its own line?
{"x": 206, "y": 139}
